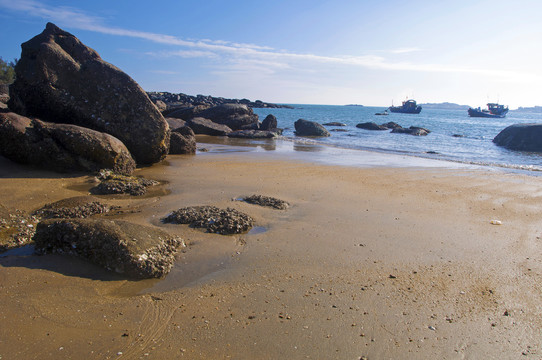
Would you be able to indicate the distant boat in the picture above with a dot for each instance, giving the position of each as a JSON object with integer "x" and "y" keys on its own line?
{"x": 408, "y": 107}
{"x": 385, "y": 112}
{"x": 493, "y": 110}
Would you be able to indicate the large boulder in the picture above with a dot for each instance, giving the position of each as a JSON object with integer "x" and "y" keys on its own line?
{"x": 61, "y": 147}
{"x": 183, "y": 141}
{"x": 207, "y": 127}
{"x": 234, "y": 116}
{"x": 59, "y": 79}
{"x": 521, "y": 137}
{"x": 135, "y": 250}
{"x": 309, "y": 128}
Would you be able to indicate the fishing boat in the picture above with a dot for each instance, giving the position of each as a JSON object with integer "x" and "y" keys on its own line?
{"x": 408, "y": 107}
{"x": 385, "y": 112}
{"x": 493, "y": 110}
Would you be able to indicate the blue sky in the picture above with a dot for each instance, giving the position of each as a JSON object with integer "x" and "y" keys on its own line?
{"x": 313, "y": 52}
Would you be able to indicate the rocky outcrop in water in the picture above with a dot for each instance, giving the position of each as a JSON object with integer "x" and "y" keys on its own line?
{"x": 371, "y": 126}
{"x": 253, "y": 134}
{"x": 60, "y": 80}
{"x": 183, "y": 100}
{"x": 521, "y": 137}
{"x": 309, "y": 128}
{"x": 413, "y": 130}
{"x": 61, "y": 147}
{"x": 134, "y": 250}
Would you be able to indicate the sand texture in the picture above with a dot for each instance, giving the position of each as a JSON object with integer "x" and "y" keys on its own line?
{"x": 375, "y": 263}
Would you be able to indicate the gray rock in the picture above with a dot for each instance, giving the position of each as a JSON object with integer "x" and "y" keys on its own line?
{"x": 413, "y": 130}
{"x": 270, "y": 122}
{"x": 334, "y": 123}
{"x": 135, "y": 250}
{"x": 521, "y": 137}
{"x": 61, "y": 147}
{"x": 310, "y": 128}
{"x": 207, "y": 127}
{"x": 59, "y": 79}
{"x": 371, "y": 126}
{"x": 252, "y": 134}
{"x": 234, "y": 116}
{"x": 186, "y": 112}
{"x": 182, "y": 141}
{"x": 175, "y": 123}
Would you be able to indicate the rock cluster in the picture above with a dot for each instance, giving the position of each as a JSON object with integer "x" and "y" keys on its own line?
{"x": 183, "y": 100}
{"x": 134, "y": 250}
{"x": 214, "y": 220}
{"x": 395, "y": 128}
{"x": 61, "y": 80}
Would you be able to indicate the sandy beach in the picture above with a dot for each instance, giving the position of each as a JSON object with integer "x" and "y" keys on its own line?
{"x": 368, "y": 262}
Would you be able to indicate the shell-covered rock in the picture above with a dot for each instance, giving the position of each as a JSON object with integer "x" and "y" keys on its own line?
{"x": 135, "y": 250}
{"x": 215, "y": 220}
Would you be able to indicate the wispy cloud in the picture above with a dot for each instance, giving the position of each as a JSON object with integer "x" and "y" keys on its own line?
{"x": 405, "y": 50}
{"x": 234, "y": 54}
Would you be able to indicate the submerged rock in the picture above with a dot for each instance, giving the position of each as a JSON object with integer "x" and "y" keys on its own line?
{"x": 413, "y": 130}
{"x": 59, "y": 79}
{"x": 134, "y": 250}
{"x": 74, "y": 207}
{"x": 253, "y": 134}
{"x": 267, "y": 201}
{"x": 371, "y": 126}
{"x": 215, "y": 220}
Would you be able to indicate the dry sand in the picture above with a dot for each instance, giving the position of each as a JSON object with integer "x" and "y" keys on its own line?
{"x": 376, "y": 263}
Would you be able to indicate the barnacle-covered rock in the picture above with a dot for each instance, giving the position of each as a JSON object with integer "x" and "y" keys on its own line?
{"x": 215, "y": 220}
{"x": 135, "y": 250}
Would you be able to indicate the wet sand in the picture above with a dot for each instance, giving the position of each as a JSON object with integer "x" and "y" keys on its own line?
{"x": 368, "y": 261}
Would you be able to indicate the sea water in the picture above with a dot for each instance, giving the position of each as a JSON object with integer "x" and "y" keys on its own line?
{"x": 454, "y": 135}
